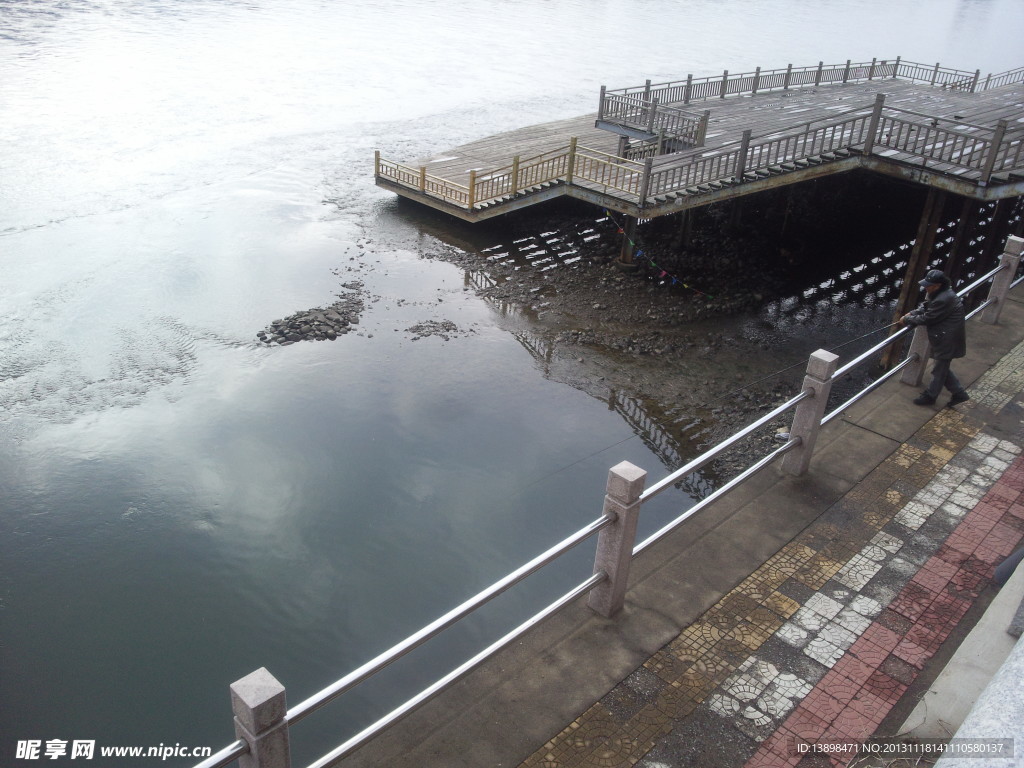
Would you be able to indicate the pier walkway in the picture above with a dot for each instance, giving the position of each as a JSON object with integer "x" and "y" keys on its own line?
{"x": 795, "y": 611}
{"x": 701, "y": 141}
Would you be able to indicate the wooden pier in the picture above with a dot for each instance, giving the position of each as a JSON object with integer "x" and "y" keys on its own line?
{"x": 660, "y": 149}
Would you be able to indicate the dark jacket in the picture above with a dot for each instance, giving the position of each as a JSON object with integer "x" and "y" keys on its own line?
{"x": 943, "y": 314}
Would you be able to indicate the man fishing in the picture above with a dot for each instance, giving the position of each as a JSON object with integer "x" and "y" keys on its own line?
{"x": 943, "y": 315}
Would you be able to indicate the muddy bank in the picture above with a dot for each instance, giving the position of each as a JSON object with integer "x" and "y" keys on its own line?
{"x": 679, "y": 334}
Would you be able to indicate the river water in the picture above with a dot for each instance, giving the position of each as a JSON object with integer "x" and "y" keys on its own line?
{"x": 180, "y": 505}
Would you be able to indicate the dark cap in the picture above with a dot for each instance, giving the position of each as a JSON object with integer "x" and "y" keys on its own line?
{"x": 934, "y": 277}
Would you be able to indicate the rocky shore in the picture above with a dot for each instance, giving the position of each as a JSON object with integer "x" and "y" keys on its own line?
{"x": 321, "y": 323}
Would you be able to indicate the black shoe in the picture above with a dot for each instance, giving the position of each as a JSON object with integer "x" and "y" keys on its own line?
{"x": 924, "y": 399}
{"x": 957, "y": 398}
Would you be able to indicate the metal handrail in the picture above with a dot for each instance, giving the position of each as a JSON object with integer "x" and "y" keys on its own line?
{"x": 427, "y": 693}
{"x": 317, "y": 700}
{"x": 868, "y": 353}
{"x": 872, "y": 386}
{"x": 983, "y": 279}
{"x": 709, "y": 455}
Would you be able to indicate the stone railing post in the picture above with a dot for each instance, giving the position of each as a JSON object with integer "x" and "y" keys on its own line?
{"x": 615, "y": 542}
{"x": 914, "y": 373}
{"x": 258, "y": 701}
{"x": 1010, "y": 261}
{"x": 807, "y": 419}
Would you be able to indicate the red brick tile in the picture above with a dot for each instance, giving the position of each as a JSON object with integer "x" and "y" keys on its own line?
{"x": 987, "y": 553}
{"x": 925, "y": 636}
{"x": 805, "y": 724}
{"x": 870, "y": 705}
{"x": 932, "y": 580}
{"x": 823, "y": 706}
{"x": 912, "y": 600}
{"x": 951, "y": 555}
{"x": 880, "y": 636}
{"x": 854, "y": 668}
{"x": 856, "y": 724}
{"x": 911, "y": 653}
{"x": 885, "y": 687}
{"x": 1016, "y": 509}
{"x": 838, "y": 686}
{"x": 1007, "y": 533}
{"x": 869, "y": 653}
{"x": 940, "y": 568}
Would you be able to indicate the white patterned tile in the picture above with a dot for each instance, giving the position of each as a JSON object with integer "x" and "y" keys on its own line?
{"x": 1006, "y": 445}
{"x": 853, "y": 621}
{"x": 724, "y": 705}
{"x": 744, "y": 687}
{"x": 823, "y": 605}
{"x": 838, "y": 635}
{"x": 808, "y": 619}
{"x": 791, "y": 686}
{"x": 908, "y": 519}
{"x": 794, "y": 635}
{"x": 866, "y": 606}
{"x": 824, "y": 652}
{"x": 888, "y": 542}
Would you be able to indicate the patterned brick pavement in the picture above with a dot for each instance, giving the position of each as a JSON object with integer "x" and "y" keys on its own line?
{"x": 821, "y": 641}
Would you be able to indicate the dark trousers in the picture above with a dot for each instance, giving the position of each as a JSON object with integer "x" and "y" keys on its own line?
{"x": 943, "y": 377}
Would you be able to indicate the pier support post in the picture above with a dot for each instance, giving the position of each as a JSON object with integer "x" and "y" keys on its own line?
{"x": 628, "y": 238}
{"x": 807, "y": 419}
{"x": 917, "y": 265}
{"x": 965, "y": 226}
{"x": 615, "y": 542}
{"x": 258, "y": 701}
{"x": 725, "y": 84}
{"x": 1009, "y": 261}
{"x": 846, "y": 72}
{"x": 689, "y": 89}
{"x": 789, "y": 76}
{"x": 817, "y": 77}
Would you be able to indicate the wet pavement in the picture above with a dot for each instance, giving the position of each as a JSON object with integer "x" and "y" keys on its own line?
{"x": 797, "y": 611}
{"x": 821, "y": 642}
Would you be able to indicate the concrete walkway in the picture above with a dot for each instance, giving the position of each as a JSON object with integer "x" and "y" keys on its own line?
{"x": 796, "y": 611}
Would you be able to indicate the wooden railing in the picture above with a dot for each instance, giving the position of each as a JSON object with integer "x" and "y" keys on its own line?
{"x": 648, "y": 115}
{"x": 726, "y": 84}
{"x": 942, "y": 144}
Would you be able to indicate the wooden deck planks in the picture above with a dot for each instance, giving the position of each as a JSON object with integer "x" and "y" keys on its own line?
{"x": 764, "y": 114}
